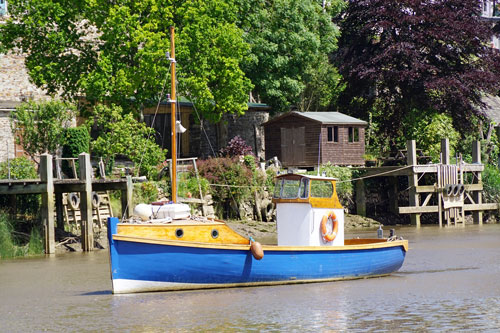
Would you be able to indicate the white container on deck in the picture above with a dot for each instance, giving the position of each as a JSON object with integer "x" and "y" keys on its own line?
{"x": 175, "y": 211}
{"x": 167, "y": 210}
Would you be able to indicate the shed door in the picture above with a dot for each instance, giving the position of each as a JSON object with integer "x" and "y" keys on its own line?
{"x": 293, "y": 146}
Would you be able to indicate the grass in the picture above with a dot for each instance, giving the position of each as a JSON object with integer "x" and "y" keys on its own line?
{"x": 8, "y": 246}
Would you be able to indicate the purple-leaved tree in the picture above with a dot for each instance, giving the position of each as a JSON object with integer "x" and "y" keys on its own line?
{"x": 410, "y": 56}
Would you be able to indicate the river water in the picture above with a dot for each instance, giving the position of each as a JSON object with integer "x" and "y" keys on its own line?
{"x": 450, "y": 281}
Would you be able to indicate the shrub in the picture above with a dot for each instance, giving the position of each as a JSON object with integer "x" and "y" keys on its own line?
{"x": 145, "y": 192}
{"x": 231, "y": 182}
{"x": 20, "y": 168}
{"x": 124, "y": 135}
{"x": 236, "y": 147}
{"x": 76, "y": 141}
{"x": 188, "y": 185}
{"x": 344, "y": 184}
{"x": 491, "y": 183}
{"x": 39, "y": 126}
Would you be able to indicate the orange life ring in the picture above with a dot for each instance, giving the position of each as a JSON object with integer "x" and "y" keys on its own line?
{"x": 328, "y": 237}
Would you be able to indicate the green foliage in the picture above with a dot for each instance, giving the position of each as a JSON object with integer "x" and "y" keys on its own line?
{"x": 77, "y": 141}
{"x": 39, "y": 126}
{"x": 232, "y": 181}
{"x": 35, "y": 245}
{"x": 20, "y": 168}
{"x": 10, "y": 248}
{"x": 146, "y": 192}
{"x": 7, "y": 247}
{"x": 187, "y": 185}
{"x": 290, "y": 42}
{"x": 427, "y": 129}
{"x": 124, "y": 135}
{"x": 491, "y": 183}
{"x": 114, "y": 51}
{"x": 344, "y": 184}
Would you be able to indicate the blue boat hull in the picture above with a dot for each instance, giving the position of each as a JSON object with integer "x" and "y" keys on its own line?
{"x": 139, "y": 265}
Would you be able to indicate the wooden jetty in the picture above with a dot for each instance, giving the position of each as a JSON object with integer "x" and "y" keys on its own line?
{"x": 451, "y": 208}
{"x": 52, "y": 191}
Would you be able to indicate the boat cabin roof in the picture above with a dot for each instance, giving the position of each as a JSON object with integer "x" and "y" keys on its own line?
{"x": 296, "y": 175}
{"x": 318, "y": 191}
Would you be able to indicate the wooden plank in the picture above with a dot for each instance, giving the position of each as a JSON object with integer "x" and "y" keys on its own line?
{"x": 434, "y": 209}
{"x": 23, "y": 189}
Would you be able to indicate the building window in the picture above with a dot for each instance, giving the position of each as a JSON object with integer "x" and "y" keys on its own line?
{"x": 333, "y": 134}
{"x": 353, "y": 134}
{"x": 3, "y": 7}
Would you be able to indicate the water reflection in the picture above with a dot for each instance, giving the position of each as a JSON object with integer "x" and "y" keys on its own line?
{"x": 449, "y": 282}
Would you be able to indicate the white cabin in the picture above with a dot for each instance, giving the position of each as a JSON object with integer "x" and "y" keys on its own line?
{"x": 302, "y": 203}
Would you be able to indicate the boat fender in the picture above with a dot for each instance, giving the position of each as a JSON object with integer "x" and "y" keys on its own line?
{"x": 96, "y": 200}
{"x": 256, "y": 249}
{"x": 328, "y": 237}
{"x": 73, "y": 200}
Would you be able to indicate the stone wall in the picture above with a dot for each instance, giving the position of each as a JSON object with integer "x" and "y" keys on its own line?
{"x": 208, "y": 138}
{"x": 15, "y": 88}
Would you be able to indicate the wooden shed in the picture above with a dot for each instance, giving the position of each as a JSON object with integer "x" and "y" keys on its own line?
{"x": 298, "y": 138}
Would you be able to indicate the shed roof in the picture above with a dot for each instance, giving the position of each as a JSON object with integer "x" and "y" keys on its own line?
{"x": 326, "y": 117}
{"x": 492, "y": 108}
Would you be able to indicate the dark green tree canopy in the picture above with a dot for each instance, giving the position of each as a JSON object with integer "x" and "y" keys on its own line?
{"x": 290, "y": 42}
{"x": 114, "y": 51}
{"x": 416, "y": 55}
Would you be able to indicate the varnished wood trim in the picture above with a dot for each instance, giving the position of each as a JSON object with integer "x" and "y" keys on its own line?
{"x": 374, "y": 245}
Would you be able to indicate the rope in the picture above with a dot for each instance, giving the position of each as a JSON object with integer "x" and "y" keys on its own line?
{"x": 376, "y": 175}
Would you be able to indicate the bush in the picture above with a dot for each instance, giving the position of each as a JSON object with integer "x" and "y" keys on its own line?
{"x": 344, "y": 184}
{"x": 491, "y": 183}
{"x": 233, "y": 182}
{"x": 146, "y": 192}
{"x": 187, "y": 186}
{"x": 124, "y": 135}
{"x": 40, "y": 126}
{"x": 236, "y": 147}
{"x": 20, "y": 168}
{"x": 76, "y": 141}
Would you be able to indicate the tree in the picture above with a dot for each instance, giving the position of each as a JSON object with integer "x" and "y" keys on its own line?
{"x": 399, "y": 57}
{"x": 290, "y": 41}
{"x": 39, "y": 127}
{"x": 122, "y": 134}
{"x": 114, "y": 51}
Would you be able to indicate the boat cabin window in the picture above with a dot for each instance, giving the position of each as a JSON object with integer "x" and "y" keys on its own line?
{"x": 321, "y": 189}
{"x": 292, "y": 188}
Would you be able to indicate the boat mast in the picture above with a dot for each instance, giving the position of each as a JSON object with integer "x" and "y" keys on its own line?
{"x": 172, "y": 117}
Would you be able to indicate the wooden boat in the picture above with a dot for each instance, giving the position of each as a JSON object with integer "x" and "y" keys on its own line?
{"x": 203, "y": 253}
{"x": 172, "y": 251}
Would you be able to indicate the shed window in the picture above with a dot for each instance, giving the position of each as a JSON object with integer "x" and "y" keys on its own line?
{"x": 333, "y": 134}
{"x": 353, "y": 134}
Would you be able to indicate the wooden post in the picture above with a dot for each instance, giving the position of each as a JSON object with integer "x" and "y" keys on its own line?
{"x": 445, "y": 151}
{"x": 413, "y": 181}
{"x": 127, "y": 199}
{"x": 47, "y": 177}
{"x": 360, "y": 198}
{"x": 86, "y": 222}
{"x": 477, "y": 216}
{"x": 59, "y": 210}
{"x": 393, "y": 195}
